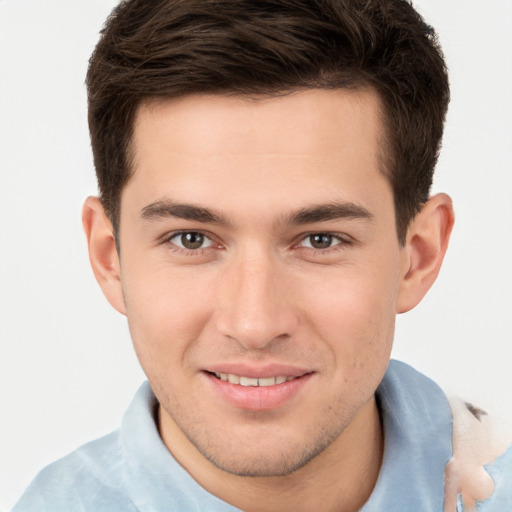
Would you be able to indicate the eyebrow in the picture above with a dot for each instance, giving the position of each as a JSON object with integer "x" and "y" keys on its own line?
{"x": 317, "y": 213}
{"x": 331, "y": 211}
{"x": 166, "y": 208}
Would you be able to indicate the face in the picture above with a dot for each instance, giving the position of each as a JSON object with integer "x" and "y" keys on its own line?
{"x": 260, "y": 271}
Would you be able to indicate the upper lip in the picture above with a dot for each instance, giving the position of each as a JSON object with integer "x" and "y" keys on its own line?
{"x": 258, "y": 371}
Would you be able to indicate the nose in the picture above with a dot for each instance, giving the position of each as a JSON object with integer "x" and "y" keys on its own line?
{"x": 254, "y": 305}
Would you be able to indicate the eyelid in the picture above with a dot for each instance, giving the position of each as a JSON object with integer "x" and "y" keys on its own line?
{"x": 343, "y": 238}
{"x": 168, "y": 237}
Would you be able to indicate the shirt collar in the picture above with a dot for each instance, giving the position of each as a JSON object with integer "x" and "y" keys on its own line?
{"x": 417, "y": 424}
{"x": 155, "y": 480}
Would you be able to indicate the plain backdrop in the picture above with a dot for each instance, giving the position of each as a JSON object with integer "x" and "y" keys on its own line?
{"x": 67, "y": 367}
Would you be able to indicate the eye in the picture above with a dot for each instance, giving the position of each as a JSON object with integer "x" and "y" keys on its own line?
{"x": 320, "y": 241}
{"x": 191, "y": 240}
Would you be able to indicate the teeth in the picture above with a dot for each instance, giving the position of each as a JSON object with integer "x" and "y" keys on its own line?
{"x": 251, "y": 382}
{"x": 270, "y": 381}
{"x": 233, "y": 379}
{"x": 247, "y": 381}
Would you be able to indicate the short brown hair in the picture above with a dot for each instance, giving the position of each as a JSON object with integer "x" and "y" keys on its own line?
{"x": 170, "y": 48}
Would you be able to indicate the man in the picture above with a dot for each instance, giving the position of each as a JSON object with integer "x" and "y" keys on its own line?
{"x": 264, "y": 213}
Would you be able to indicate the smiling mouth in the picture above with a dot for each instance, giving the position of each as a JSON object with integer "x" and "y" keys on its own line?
{"x": 252, "y": 382}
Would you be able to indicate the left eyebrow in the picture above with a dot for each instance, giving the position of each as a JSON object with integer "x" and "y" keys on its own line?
{"x": 325, "y": 212}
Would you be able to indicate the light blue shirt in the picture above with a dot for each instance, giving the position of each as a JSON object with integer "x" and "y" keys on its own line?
{"x": 132, "y": 470}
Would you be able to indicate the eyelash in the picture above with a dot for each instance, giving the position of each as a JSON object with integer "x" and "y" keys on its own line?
{"x": 183, "y": 250}
{"x": 343, "y": 241}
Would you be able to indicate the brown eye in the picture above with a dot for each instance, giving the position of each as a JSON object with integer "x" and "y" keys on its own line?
{"x": 321, "y": 241}
{"x": 191, "y": 240}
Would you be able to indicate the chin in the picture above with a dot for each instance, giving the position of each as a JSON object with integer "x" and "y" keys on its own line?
{"x": 282, "y": 458}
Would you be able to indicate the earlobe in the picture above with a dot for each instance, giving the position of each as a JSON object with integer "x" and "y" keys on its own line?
{"x": 427, "y": 242}
{"x": 103, "y": 252}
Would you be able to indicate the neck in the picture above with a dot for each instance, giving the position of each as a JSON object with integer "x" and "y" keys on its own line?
{"x": 340, "y": 479}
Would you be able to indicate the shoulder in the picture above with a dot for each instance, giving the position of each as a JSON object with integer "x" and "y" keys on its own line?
{"x": 129, "y": 470}
{"x": 90, "y": 478}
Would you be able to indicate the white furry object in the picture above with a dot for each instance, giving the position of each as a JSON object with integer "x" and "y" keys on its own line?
{"x": 478, "y": 439}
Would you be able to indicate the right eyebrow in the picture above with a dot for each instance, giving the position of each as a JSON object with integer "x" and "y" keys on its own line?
{"x": 166, "y": 208}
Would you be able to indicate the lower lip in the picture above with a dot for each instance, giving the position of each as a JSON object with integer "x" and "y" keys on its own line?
{"x": 258, "y": 398}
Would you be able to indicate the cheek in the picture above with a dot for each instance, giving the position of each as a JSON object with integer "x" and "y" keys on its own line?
{"x": 354, "y": 310}
{"x": 166, "y": 312}
{"x": 357, "y": 324}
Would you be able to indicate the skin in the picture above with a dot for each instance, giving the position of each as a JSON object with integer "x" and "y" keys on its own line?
{"x": 256, "y": 180}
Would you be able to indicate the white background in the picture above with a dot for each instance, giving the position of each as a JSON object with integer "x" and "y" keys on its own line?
{"x": 67, "y": 368}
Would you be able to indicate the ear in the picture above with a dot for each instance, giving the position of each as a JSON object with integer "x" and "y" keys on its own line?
{"x": 426, "y": 244}
{"x": 103, "y": 252}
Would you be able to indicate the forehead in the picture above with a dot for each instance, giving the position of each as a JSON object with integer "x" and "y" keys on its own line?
{"x": 210, "y": 123}
{"x": 316, "y": 143}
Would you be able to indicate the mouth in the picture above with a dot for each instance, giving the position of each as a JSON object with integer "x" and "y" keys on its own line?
{"x": 258, "y": 389}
